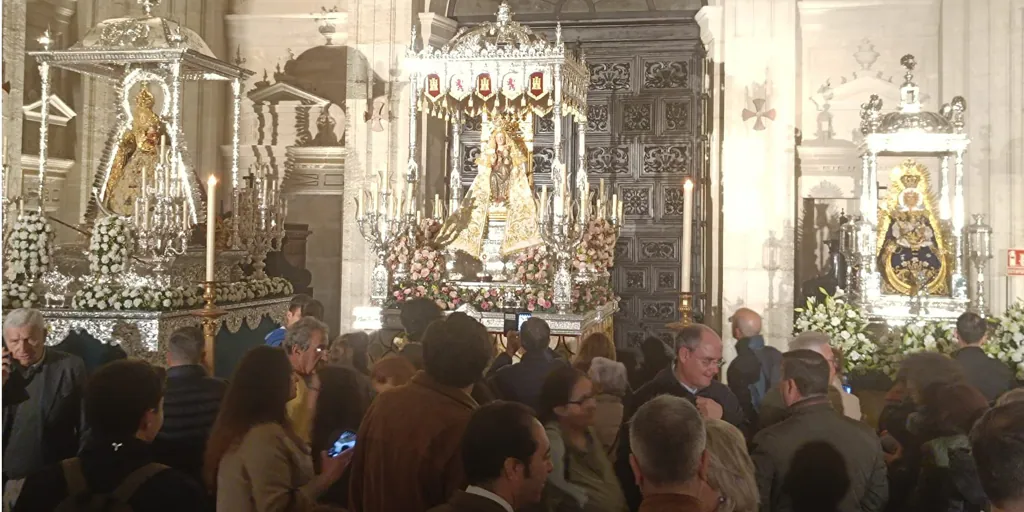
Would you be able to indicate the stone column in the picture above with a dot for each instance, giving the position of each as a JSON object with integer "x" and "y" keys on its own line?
{"x": 983, "y": 60}
{"x": 758, "y": 48}
{"x": 14, "y": 72}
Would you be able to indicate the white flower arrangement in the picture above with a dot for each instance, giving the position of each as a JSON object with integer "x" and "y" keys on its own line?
{"x": 1006, "y": 342}
{"x": 103, "y": 297}
{"x": 845, "y": 324}
{"x": 250, "y": 289}
{"x": 29, "y": 248}
{"x": 18, "y": 294}
{"x": 920, "y": 336}
{"x": 110, "y": 246}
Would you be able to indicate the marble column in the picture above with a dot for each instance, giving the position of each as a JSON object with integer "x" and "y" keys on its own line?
{"x": 982, "y": 48}
{"x": 757, "y": 43}
{"x": 14, "y": 72}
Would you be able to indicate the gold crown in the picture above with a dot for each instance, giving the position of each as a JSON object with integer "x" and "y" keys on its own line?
{"x": 910, "y": 180}
{"x": 508, "y": 123}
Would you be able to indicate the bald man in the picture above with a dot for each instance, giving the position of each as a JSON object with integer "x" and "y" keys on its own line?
{"x": 757, "y": 366}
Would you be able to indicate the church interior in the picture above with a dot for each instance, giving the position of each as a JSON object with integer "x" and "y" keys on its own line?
{"x": 625, "y": 166}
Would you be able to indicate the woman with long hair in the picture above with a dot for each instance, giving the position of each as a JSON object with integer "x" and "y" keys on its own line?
{"x": 350, "y": 350}
{"x": 582, "y": 476}
{"x": 730, "y": 470}
{"x": 254, "y": 459}
{"x": 594, "y": 345}
{"x": 338, "y": 400}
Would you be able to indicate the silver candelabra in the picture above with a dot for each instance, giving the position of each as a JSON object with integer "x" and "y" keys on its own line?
{"x": 562, "y": 227}
{"x": 161, "y": 215}
{"x": 262, "y": 213}
{"x": 979, "y": 247}
{"x": 382, "y": 223}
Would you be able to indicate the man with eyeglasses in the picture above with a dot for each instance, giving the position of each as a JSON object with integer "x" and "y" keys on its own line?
{"x": 698, "y": 351}
{"x": 305, "y": 343}
{"x": 773, "y": 409}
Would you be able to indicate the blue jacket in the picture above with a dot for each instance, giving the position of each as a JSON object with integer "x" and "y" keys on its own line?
{"x": 276, "y": 337}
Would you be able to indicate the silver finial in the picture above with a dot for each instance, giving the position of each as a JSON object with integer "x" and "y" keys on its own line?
{"x": 45, "y": 39}
{"x": 147, "y": 6}
{"x": 908, "y": 61}
{"x": 504, "y": 13}
{"x": 558, "y": 33}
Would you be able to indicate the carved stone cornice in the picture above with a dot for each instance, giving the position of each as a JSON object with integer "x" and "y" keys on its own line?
{"x": 436, "y": 29}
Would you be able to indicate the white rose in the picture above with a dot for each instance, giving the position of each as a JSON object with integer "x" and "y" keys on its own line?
{"x": 167, "y": 303}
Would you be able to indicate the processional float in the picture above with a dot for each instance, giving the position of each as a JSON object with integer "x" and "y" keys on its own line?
{"x": 908, "y": 257}
{"x": 509, "y": 77}
{"x": 147, "y": 198}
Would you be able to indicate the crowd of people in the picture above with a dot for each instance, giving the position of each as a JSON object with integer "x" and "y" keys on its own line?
{"x": 443, "y": 423}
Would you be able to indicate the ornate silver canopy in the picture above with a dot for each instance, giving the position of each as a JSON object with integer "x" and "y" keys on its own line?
{"x": 910, "y": 118}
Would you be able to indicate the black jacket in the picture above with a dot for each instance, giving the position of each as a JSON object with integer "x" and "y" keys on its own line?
{"x": 104, "y": 468}
{"x": 521, "y": 382}
{"x": 948, "y": 480}
{"x": 814, "y": 420}
{"x": 756, "y": 369}
{"x": 666, "y": 383}
{"x": 992, "y": 377}
{"x": 52, "y": 393}
{"x": 191, "y": 404}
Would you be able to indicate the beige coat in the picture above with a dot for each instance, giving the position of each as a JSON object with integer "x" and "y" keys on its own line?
{"x": 269, "y": 471}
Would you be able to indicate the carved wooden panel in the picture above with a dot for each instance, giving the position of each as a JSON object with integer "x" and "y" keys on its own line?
{"x": 610, "y": 76}
{"x": 607, "y": 160}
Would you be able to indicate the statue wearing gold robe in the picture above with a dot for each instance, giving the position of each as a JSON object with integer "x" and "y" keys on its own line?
{"x": 911, "y": 253}
{"x": 137, "y": 152}
{"x": 502, "y": 188}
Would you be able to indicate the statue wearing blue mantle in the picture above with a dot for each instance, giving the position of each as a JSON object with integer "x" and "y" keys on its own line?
{"x": 911, "y": 252}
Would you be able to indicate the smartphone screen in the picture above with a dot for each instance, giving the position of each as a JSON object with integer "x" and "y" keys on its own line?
{"x": 345, "y": 441}
{"x": 522, "y": 318}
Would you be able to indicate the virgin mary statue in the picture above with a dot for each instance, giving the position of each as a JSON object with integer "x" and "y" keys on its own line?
{"x": 136, "y": 153}
{"x": 502, "y": 190}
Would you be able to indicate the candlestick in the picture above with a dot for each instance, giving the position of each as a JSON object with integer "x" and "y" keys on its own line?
{"x": 437, "y": 206}
{"x": 211, "y": 226}
{"x": 374, "y": 197}
{"x": 359, "y": 206}
{"x": 543, "y": 201}
{"x": 615, "y": 205}
{"x": 408, "y": 197}
{"x": 383, "y": 182}
{"x": 687, "y": 234}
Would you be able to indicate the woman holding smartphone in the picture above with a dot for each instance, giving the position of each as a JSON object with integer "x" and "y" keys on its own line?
{"x": 255, "y": 461}
{"x": 338, "y": 399}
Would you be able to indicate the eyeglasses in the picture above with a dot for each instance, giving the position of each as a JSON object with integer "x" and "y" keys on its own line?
{"x": 584, "y": 400}
{"x": 708, "y": 362}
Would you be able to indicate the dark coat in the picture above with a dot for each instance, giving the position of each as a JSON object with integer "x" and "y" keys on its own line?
{"x": 670, "y": 503}
{"x": 991, "y": 376}
{"x": 948, "y": 480}
{"x": 59, "y": 409}
{"x": 104, "y": 468}
{"x": 464, "y": 502}
{"x": 756, "y": 369}
{"x": 814, "y": 420}
{"x": 410, "y": 440}
{"x": 191, "y": 404}
{"x": 666, "y": 383}
{"x": 521, "y": 382}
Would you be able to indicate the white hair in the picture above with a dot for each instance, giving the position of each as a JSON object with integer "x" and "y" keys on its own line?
{"x": 26, "y": 317}
{"x": 299, "y": 333}
{"x": 667, "y": 437}
{"x": 810, "y": 340}
{"x": 610, "y": 375}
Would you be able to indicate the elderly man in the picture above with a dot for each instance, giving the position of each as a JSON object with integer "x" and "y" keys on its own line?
{"x": 668, "y": 456}
{"x": 773, "y": 410}
{"x": 757, "y": 366}
{"x": 851, "y": 459}
{"x": 42, "y": 391}
{"x": 698, "y": 351}
{"x": 305, "y": 342}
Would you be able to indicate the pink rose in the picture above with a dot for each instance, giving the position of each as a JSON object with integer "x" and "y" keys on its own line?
{"x": 453, "y": 294}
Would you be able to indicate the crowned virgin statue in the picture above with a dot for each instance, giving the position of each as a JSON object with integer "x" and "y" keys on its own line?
{"x": 501, "y": 191}
{"x": 136, "y": 153}
{"x": 912, "y": 254}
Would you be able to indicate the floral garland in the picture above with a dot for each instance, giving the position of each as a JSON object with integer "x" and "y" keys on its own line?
{"x": 845, "y": 324}
{"x": 29, "y": 249}
{"x": 921, "y": 336}
{"x": 400, "y": 253}
{"x": 1006, "y": 342}
{"x": 592, "y": 297}
{"x": 597, "y": 252}
{"x": 103, "y": 296}
{"x": 533, "y": 266}
{"x": 110, "y": 246}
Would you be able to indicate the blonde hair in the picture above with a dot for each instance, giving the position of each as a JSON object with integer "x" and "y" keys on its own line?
{"x": 730, "y": 470}
{"x": 597, "y": 344}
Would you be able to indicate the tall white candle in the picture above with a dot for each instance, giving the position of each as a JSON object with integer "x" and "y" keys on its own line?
{"x": 374, "y": 198}
{"x": 437, "y": 206}
{"x": 543, "y": 201}
{"x": 211, "y": 226}
{"x": 359, "y": 205}
{"x": 687, "y": 233}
